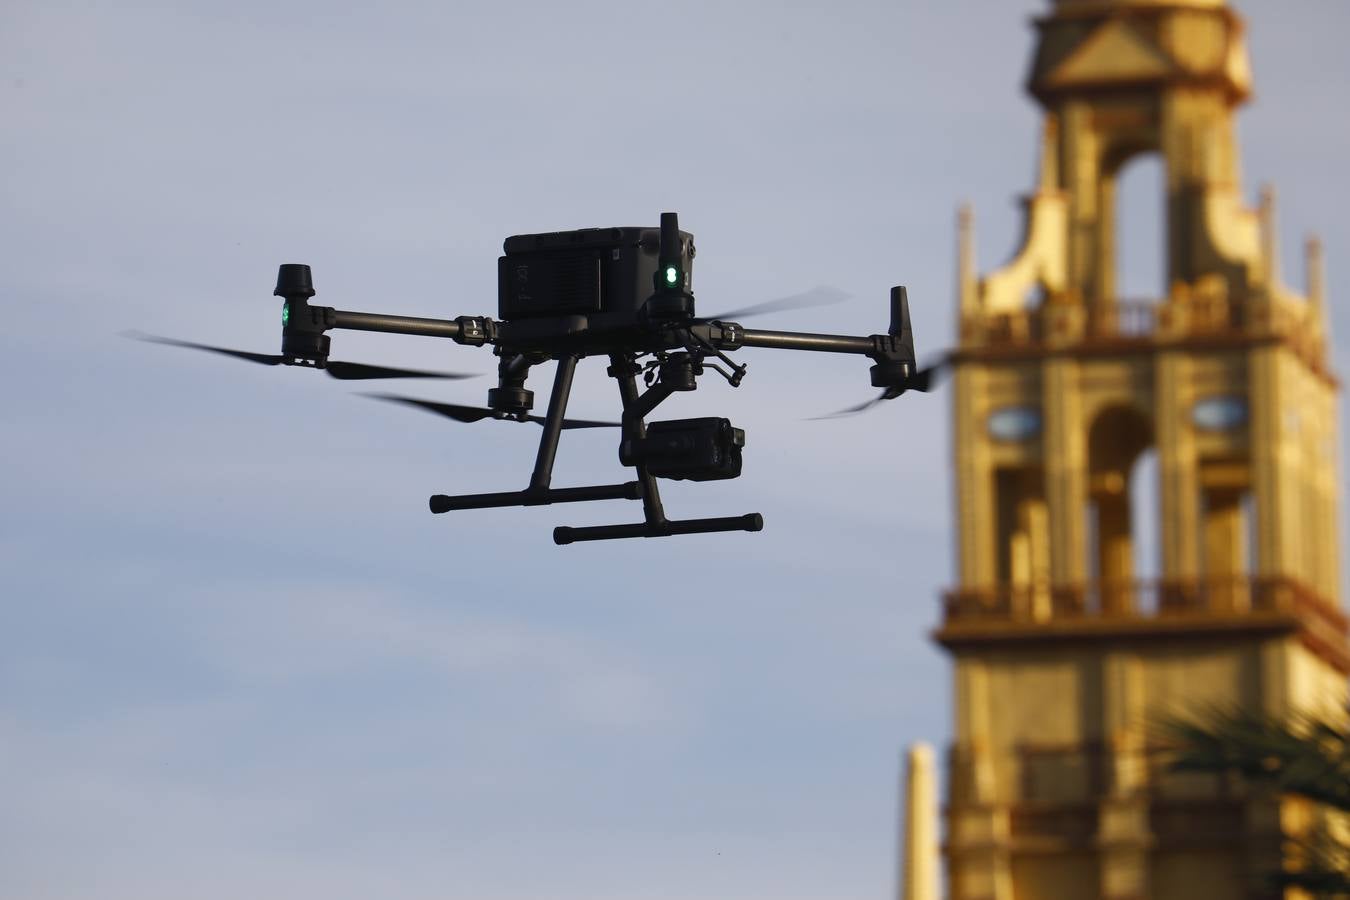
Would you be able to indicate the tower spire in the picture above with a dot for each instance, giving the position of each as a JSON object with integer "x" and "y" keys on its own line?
{"x": 1270, "y": 239}
{"x": 919, "y": 866}
{"x": 1315, "y": 277}
{"x": 968, "y": 300}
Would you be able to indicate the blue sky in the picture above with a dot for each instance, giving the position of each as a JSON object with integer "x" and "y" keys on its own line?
{"x": 239, "y": 657}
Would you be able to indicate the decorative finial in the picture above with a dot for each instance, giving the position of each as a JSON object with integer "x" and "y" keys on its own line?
{"x": 1270, "y": 247}
{"x": 1314, "y": 276}
{"x": 965, "y": 260}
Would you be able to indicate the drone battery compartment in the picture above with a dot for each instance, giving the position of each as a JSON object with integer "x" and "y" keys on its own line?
{"x": 592, "y": 270}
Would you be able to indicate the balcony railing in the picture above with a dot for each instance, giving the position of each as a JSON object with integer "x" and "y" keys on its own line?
{"x": 1123, "y": 319}
{"x": 1136, "y": 599}
{"x": 1110, "y": 321}
{"x": 1054, "y": 789}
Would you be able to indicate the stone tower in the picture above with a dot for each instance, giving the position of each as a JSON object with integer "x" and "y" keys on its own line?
{"x": 1066, "y": 658}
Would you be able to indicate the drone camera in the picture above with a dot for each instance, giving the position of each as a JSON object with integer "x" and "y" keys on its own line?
{"x": 593, "y": 270}
{"x": 707, "y": 449}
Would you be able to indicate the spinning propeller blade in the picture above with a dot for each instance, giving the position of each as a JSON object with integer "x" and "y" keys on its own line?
{"x": 350, "y": 371}
{"x": 925, "y": 380}
{"x": 344, "y": 371}
{"x": 922, "y": 381}
{"x": 475, "y": 413}
{"x": 852, "y": 410}
{"x": 822, "y": 295}
{"x": 263, "y": 358}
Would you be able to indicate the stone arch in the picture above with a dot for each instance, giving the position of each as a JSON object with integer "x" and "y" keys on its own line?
{"x": 1118, "y": 436}
{"x": 1138, "y": 186}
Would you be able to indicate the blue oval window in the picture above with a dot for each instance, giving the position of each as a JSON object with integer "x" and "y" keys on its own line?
{"x": 1014, "y": 423}
{"x": 1220, "y": 413}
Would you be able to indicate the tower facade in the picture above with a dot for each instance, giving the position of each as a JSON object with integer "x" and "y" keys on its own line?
{"x": 1067, "y": 657}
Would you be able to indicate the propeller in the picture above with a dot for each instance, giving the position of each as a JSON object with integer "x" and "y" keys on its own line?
{"x": 344, "y": 371}
{"x": 476, "y": 413}
{"x": 821, "y": 295}
{"x": 922, "y": 380}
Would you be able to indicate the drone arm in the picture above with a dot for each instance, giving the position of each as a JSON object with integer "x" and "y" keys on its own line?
{"x": 894, "y": 349}
{"x": 892, "y": 353}
{"x": 359, "y": 321}
{"x": 731, "y": 336}
{"x": 794, "y": 340}
{"x": 472, "y": 330}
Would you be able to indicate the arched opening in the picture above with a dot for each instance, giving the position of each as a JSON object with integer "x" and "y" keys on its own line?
{"x": 1030, "y": 320}
{"x": 1146, "y": 515}
{"x": 1118, "y": 437}
{"x": 1140, "y": 229}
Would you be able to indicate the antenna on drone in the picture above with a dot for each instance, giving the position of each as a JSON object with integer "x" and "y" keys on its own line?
{"x": 671, "y": 300}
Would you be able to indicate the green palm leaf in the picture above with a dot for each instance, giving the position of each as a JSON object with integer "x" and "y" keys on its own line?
{"x": 1302, "y": 755}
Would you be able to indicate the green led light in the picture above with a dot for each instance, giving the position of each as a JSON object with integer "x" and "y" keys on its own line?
{"x": 285, "y": 314}
{"x": 672, "y": 275}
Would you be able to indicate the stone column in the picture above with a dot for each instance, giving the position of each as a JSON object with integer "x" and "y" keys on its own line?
{"x": 1179, "y": 501}
{"x": 919, "y": 877}
{"x": 974, "y": 481}
{"x": 1277, "y": 531}
{"x": 1124, "y": 835}
{"x": 1065, "y": 477}
{"x": 978, "y": 862}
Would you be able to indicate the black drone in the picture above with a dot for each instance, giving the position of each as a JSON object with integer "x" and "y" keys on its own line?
{"x": 622, "y": 293}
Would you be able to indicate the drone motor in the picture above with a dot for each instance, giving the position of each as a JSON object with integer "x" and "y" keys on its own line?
{"x": 302, "y": 325}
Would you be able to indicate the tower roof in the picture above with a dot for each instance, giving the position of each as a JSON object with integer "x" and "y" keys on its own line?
{"x": 1088, "y": 46}
{"x": 1117, "y": 4}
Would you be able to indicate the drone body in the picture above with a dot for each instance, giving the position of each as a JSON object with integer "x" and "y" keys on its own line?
{"x": 619, "y": 293}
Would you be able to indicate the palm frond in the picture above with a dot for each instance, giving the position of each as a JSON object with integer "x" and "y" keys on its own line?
{"x": 1323, "y": 868}
{"x": 1300, "y": 755}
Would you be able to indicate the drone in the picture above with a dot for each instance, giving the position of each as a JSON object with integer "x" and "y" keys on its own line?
{"x": 624, "y": 294}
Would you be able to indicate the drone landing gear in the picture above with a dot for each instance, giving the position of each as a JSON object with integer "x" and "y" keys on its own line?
{"x": 663, "y": 528}
{"x": 539, "y": 493}
{"x": 655, "y": 524}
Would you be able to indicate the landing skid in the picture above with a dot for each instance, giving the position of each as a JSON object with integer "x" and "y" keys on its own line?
{"x": 539, "y": 493}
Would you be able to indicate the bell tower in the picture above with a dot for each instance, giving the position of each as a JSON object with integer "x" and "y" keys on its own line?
{"x": 1066, "y": 655}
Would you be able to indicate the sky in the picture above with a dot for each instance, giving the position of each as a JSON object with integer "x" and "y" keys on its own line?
{"x": 238, "y": 656}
